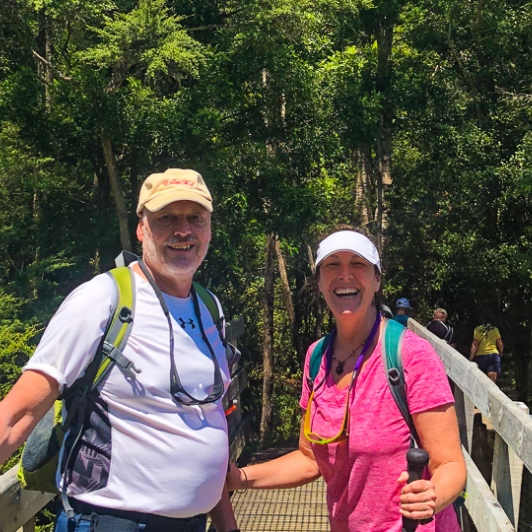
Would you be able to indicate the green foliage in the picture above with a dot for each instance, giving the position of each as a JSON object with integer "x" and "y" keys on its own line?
{"x": 148, "y": 38}
{"x": 273, "y": 103}
{"x": 14, "y": 352}
{"x": 16, "y": 346}
{"x": 15, "y": 340}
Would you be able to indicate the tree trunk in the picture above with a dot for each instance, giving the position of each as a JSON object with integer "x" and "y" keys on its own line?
{"x": 364, "y": 186}
{"x": 267, "y": 346}
{"x": 317, "y": 306}
{"x": 383, "y": 146}
{"x": 45, "y": 47}
{"x": 48, "y": 51}
{"x": 288, "y": 302}
{"x": 361, "y": 188}
{"x": 118, "y": 195}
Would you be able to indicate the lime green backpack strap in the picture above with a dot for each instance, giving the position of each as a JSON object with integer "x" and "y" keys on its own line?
{"x": 115, "y": 337}
{"x": 119, "y": 326}
{"x": 212, "y": 306}
{"x": 393, "y": 365}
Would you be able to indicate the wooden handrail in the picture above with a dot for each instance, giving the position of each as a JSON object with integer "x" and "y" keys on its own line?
{"x": 508, "y": 419}
{"x": 495, "y": 506}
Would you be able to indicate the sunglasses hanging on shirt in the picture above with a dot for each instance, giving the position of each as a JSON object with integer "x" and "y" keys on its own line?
{"x": 178, "y": 392}
{"x": 343, "y": 433}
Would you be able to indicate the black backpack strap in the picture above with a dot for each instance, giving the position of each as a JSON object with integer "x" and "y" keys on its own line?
{"x": 125, "y": 258}
{"x": 393, "y": 365}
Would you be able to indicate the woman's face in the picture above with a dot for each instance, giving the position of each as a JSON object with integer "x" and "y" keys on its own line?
{"x": 348, "y": 283}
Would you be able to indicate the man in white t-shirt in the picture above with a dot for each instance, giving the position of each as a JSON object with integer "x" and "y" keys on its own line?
{"x": 153, "y": 454}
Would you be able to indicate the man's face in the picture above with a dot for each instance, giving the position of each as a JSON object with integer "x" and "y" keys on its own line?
{"x": 440, "y": 316}
{"x": 176, "y": 238}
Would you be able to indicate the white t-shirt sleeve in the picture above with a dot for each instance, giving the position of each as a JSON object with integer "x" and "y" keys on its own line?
{"x": 74, "y": 332}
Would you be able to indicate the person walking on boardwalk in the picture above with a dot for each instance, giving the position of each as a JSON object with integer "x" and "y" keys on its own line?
{"x": 487, "y": 347}
{"x": 402, "y": 307}
{"x": 153, "y": 453}
{"x": 439, "y": 327}
{"x": 352, "y": 432}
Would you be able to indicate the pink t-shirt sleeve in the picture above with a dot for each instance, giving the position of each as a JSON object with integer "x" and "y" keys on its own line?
{"x": 426, "y": 382}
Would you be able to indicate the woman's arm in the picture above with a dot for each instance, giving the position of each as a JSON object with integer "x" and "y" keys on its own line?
{"x": 474, "y": 347}
{"x": 500, "y": 346}
{"x": 288, "y": 471}
{"x": 439, "y": 436}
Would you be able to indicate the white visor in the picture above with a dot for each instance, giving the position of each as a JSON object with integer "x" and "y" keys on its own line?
{"x": 348, "y": 241}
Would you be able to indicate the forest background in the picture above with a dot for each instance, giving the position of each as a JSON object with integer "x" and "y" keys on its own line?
{"x": 412, "y": 120}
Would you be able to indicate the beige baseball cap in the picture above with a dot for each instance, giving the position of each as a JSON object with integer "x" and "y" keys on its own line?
{"x": 175, "y": 184}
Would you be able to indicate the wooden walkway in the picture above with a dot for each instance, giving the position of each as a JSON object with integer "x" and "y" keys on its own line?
{"x": 302, "y": 509}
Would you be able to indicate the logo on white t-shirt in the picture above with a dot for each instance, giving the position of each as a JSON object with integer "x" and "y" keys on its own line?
{"x": 184, "y": 323}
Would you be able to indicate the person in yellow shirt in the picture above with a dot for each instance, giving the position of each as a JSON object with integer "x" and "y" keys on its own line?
{"x": 487, "y": 347}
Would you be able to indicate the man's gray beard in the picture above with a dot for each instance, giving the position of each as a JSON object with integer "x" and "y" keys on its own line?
{"x": 156, "y": 261}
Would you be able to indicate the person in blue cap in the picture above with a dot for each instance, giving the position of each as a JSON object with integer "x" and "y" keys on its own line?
{"x": 402, "y": 307}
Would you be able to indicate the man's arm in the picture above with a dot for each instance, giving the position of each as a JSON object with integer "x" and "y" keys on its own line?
{"x": 222, "y": 514}
{"x": 22, "y": 408}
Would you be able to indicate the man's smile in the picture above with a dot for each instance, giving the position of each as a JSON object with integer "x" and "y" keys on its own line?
{"x": 185, "y": 246}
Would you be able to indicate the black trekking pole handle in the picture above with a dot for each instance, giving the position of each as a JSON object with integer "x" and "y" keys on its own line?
{"x": 417, "y": 460}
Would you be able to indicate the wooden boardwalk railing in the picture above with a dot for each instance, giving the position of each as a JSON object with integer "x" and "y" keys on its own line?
{"x": 491, "y": 507}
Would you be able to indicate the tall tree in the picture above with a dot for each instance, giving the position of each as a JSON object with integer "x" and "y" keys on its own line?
{"x": 267, "y": 347}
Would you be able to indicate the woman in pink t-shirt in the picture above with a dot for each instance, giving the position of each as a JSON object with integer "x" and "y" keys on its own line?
{"x": 355, "y": 435}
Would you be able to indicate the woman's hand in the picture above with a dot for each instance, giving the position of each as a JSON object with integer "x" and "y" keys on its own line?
{"x": 235, "y": 479}
{"x": 417, "y": 499}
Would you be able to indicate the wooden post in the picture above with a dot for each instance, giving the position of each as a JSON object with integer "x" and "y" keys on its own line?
{"x": 29, "y": 526}
{"x": 483, "y": 508}
{"x": 17, "y": 506}
{"x": 507, "y": 475}
{"x": 465, "y": 412}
